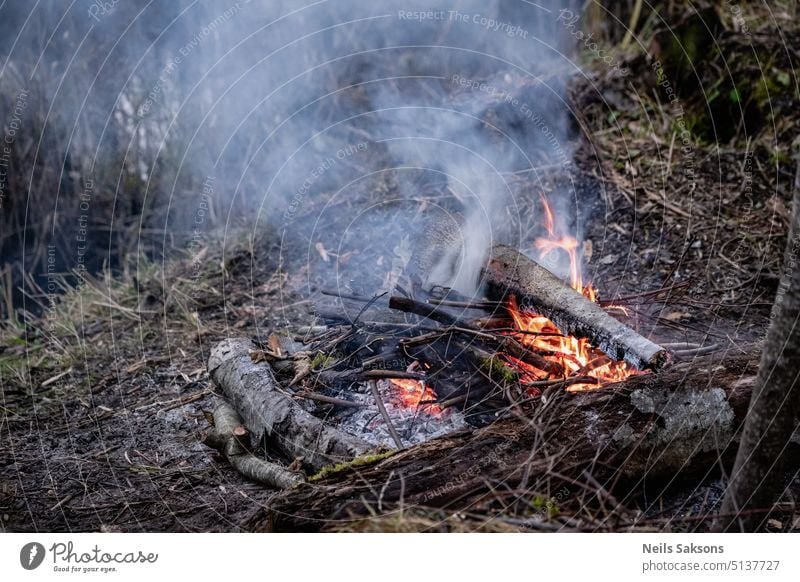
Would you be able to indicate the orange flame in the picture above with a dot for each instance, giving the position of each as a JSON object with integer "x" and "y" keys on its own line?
{"x": 576, "y": 356}
{"x": 557, "y": 240}
{"x": 414, "y": 394}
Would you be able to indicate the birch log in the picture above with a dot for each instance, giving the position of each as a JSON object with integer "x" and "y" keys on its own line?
{"x": 537, "y": 289}
{"x": 255, "y": 394}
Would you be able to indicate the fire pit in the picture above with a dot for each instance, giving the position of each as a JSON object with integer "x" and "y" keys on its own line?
{"x": 439, "y": 348}
{"x": 430, "y": 384}
{"x": 414, "y": 363}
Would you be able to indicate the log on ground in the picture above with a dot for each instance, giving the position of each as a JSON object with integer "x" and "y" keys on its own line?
{"x": 227, "y": 437}
{"x": 255, "y": 394}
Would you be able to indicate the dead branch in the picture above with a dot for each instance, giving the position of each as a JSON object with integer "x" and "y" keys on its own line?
{"x": 226, "y": 437}
{"x": 256, "y": 395}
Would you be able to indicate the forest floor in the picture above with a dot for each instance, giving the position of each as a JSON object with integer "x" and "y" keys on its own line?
{"x": 106, "y": 396}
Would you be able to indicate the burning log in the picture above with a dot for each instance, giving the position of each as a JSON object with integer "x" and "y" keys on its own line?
{"x": 504, "y": 343}
{"x": 657, "y": 428}
{"x": 256, "y": 395}
{"x": 509, "y": 272}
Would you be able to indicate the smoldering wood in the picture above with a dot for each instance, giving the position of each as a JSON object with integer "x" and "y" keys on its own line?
{"x": 255, "y": 394}
{"x": 423, "y": 310}
{"x": 654, "y": 428}
{"x": 502, "y": 343}
{"x": 226, "y": 437}
{"x": 509, "y": 272}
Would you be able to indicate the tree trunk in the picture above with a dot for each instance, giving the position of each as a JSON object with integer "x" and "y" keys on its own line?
{"x": 757, "y": 480}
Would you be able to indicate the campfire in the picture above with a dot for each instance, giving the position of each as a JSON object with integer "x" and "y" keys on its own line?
{"x": 430, "y": 391}
{"x": 396, "y": 370}
{"x": 585, "y": 366}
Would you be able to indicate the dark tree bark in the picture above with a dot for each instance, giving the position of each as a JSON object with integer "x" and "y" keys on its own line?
{"x": 757, "y": 479}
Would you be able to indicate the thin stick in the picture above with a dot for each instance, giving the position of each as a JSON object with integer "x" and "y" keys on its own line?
{"x": 358, "y": 298}
{"x": 563, "y": 382}
{"x": 631, "y": 298}
{"x": 700, "y": 351}
{"x": 483, "y": 305}
{"x": 681, "y": 345}
{"x": 453, "y": 401}
{"x": 366, "y": 306}
{"x": 373, "y": 386}
{"x": 425, "y": 310}
{"x": 328, "y": 399}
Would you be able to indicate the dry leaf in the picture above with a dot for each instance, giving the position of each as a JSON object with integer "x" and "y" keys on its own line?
{"x": 274, "y": 344}
{"x": 302, "y": 368}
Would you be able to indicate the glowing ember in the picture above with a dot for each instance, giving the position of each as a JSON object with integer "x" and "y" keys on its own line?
{"x": 414, "y": 394}
{"x": 576, "y": 356}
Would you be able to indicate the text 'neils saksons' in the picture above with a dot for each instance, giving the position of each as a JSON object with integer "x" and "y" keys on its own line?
{"x": 664, "y": 548}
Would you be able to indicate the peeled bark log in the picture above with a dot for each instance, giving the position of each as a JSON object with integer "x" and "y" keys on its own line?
{"x": 255, "y": 394}
{"x": 651, "y": 427}
{"x": 537, "y": 289}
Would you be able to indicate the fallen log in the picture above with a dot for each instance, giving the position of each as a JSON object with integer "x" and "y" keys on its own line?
{"x": 226, "y": 439}
{"x": 255, "y": 394}
{"x": 509, "y": 272}
{"x": 657, "y": 428}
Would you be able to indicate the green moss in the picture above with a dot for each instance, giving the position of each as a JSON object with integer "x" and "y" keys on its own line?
{"x": 360, "y": 461}
{"x": 545, "y": 504}
{"x": 321, "y": 361}
{"x": 498, "y": 371}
